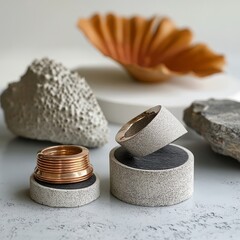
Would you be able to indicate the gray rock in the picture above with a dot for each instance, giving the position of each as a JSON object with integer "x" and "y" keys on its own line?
{"x": 218, "y": 121}
{"x": 52, "y": 103}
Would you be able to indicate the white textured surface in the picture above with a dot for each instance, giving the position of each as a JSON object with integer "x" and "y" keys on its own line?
{"x": 51, "y": 103}
{"x": 63, "y": 197}
{"x": 152, "y": 188}
{"x": 212, "y": 213}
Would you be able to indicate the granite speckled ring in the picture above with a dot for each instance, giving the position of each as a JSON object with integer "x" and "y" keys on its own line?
{"x": 67, "y": 195}
{"x": 150, "y": 131}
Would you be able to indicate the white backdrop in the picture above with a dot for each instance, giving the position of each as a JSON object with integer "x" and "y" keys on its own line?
{"x": 52, "y": 23}
{"x": 36, "y": 28}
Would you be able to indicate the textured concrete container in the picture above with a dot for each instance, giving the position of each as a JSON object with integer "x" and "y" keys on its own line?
{"x": 159, "y": 179}
{"x": 65, "y": 195}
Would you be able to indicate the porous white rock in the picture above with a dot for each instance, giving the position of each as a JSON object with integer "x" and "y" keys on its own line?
{"x": 52, "y": 103}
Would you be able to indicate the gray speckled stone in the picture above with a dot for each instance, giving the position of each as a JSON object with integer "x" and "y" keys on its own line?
{"x": 152, "y": 187}
{"x": 55, "y": 197}
{"x": 52, "y": 103}
{"x": 218, "y": 121}
{"x": 156, "y": 129}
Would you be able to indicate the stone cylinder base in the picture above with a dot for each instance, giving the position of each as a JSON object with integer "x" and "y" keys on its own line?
{"x": 162, "y": 178}
{"x": 65, "y": 195}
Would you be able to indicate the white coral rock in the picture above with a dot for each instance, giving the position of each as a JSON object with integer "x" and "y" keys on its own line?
{"x": 52, "y": 103}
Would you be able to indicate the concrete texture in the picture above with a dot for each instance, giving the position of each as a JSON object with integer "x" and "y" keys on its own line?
{"x": 218, "y": 121}
{"x": 212, "y": 213}
{"x": 56, "y": 197}
{"x": 155, "y": 187}
{"x": 52, "y": 103}
{"x": 156, "y": 129}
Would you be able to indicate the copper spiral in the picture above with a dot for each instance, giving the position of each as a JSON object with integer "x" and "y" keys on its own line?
{"x": 63, "y": 164}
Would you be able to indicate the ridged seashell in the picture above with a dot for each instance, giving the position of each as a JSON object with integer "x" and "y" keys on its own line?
{"x": 151, "y": 50}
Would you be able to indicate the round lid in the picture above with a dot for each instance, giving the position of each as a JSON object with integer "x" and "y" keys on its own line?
{"x": 150, "y": 131}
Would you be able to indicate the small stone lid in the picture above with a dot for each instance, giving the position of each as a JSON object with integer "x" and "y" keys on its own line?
{"x": 150, "y": 131}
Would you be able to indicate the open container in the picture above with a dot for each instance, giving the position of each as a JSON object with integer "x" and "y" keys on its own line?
{"x": 64, "y": 177}
{"x": 147, "y": 169}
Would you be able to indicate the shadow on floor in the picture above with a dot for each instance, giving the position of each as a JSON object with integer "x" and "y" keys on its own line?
{"x": 205, "y": 157}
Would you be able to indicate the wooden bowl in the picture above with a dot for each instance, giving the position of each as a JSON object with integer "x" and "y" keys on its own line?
{"x": 151, "y": 50}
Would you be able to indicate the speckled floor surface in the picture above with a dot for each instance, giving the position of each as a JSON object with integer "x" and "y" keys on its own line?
{"x": 212, "y": 213}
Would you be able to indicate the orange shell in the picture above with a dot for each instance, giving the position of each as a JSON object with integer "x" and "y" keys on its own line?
{"x": 151, "y": 50}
